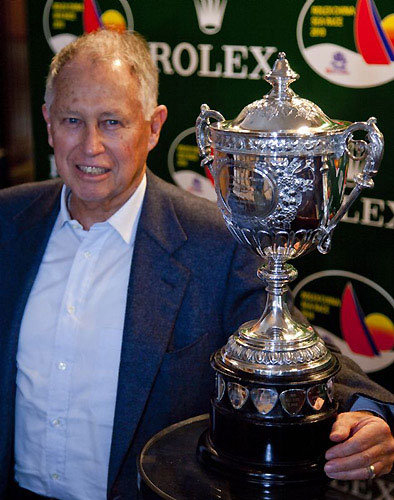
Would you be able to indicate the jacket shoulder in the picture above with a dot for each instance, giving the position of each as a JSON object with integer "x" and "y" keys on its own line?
{"x": 17, "y": 198}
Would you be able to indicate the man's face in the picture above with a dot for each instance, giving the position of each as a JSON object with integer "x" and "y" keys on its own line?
{"x": 99, "y": 133}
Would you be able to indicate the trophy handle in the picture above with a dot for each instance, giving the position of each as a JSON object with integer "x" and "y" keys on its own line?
{"x": 202, "y": 133}
{"x": 372, "y": 151}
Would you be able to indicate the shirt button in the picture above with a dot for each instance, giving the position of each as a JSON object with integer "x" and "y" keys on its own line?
{"x": 55, "y": 475}
{"x": 70, "y": 309}
{"x": 87, "y": 254}
{"x": 62, "y": 366}
{"x": 56, "y": 422}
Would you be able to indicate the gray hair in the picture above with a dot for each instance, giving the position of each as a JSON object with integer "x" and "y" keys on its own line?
{"x": 130, "y": 47}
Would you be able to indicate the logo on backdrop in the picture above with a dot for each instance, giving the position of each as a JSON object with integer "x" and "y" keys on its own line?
{"x": 63, "y": 21}
{"x": 358, "y": 307}
{"x": 348, "y": 42}
{"x": 210, "y": 15}
{"x": 184, "y": 164}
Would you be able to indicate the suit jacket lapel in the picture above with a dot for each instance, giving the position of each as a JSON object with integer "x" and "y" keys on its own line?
{"x": 157, "y": 285}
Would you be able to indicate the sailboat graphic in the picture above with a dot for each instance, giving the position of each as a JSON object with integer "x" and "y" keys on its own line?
{"x": 372, "y": 41}
{"x": 354, "y": 328}
{"x": 91, "y": 16}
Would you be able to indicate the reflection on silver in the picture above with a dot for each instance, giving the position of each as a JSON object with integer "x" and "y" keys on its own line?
{"x": 293, "y": 400}
{"x": 280, "y": 171}
{"x": 330, "y": 389}
{"x": 316, "y": 397}
{"x": 220, "y": 387}
{"x": 264, "y": 399}
{"x": 238, "y": 394}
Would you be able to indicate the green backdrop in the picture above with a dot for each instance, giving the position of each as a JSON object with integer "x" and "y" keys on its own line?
{"x": 217, "y": 52}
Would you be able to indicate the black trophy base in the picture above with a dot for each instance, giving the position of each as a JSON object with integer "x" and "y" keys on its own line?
{"x": 288, "y": 454}
{"x": 269, "y": 430}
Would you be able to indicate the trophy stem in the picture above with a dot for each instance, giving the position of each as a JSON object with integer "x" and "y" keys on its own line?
{"x": 276, "y": 322}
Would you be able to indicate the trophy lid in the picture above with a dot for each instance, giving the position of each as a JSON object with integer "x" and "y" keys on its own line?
{"x": 282, "y": 111}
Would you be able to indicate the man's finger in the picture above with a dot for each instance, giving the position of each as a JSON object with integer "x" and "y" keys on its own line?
{"x": 348, "y": 423}
{"x": 363, "y": 440}
{"x": 356, "y": 461}
{"x": 361, "y": 473}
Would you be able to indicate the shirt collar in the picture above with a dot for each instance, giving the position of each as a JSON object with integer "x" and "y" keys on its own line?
{"x": 124, "y": 221}
{"x": 64, "y": 214}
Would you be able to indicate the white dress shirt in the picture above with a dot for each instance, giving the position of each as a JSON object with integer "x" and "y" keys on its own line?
{"x": 69, "y": 353}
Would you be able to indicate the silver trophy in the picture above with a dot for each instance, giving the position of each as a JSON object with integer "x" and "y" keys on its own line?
{"x": 280, "y": 172}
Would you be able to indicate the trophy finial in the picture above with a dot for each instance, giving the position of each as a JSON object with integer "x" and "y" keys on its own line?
{"x": 280, "y": 77}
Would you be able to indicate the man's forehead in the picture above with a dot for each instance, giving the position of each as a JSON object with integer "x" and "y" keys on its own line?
{"x": 90, "y": 63}
{"x": 83, "y": 73}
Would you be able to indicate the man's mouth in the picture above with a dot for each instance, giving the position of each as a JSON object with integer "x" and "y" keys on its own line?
{"x": 92, "y": 170}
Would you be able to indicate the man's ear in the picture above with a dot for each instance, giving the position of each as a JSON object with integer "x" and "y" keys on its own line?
{"x": 47, "y": 119}
{"x": 157, "y": 120}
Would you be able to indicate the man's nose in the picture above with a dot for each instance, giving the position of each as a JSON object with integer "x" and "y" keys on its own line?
{"x": 92, "y": 141}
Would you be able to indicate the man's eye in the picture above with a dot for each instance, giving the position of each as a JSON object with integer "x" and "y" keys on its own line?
{"x": 72, "y": 121}
{"x": 112, "y": 123}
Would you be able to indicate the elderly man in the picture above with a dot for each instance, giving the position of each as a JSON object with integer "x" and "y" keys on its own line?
{"x": 116, "y": 287}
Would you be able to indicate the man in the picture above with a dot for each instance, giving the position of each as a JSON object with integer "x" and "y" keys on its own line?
{"x": 116, "y": 288}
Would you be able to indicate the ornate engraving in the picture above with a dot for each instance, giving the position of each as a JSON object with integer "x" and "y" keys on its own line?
{"x": 288, "y": 245}
{"x": 234, "y": 349}
{"x": 293, "y": 177}
{"x": 229, "y": 142}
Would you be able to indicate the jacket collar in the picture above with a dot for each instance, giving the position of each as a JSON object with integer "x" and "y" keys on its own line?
{"x": 159, "y": 219}
{"x": 158, "y": 282}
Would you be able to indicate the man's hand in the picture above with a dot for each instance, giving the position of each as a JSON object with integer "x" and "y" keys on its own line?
{"x": 364, "y": 440}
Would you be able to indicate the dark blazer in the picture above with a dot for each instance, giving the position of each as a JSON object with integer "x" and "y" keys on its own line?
{"x": 190, "y": 287}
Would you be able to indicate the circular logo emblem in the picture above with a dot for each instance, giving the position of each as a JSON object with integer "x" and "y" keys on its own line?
{"x": 349, "y": 43}
{"x": 63, "y": 21}
{"x": 184, "y": 166}
{"x": 359, "y": 309}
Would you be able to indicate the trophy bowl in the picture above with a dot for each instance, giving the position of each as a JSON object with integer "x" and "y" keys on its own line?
{"x": 280, "y": 173}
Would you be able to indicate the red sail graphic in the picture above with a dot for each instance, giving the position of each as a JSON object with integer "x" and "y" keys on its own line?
{"x": 354, "y": 329}
{"x": 372, "y": 42}
{"x": 91, "y": 16}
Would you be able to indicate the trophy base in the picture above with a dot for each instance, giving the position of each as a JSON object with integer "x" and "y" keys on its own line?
{"x": 289, "y": 454}
{"x": 270, "y": 430}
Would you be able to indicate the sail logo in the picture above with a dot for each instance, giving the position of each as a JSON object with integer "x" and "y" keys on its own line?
{"x": 210, "y": 15}
{"x": 63, "y": 21}
{"x": 361, "y": 310}
{"x": 350, "y": 44}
